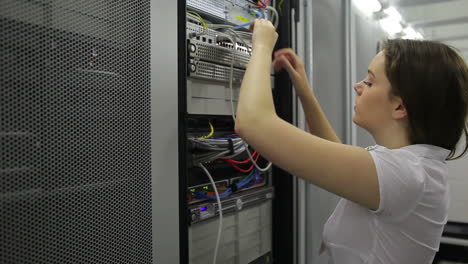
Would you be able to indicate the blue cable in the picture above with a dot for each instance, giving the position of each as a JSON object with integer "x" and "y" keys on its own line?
{"x": 247, "y": 182}
{"x": 225, "y": 138}
{"x": 259, "y": 15}
{"x": 243, "y": 183}
{"x": 200, "y": 195}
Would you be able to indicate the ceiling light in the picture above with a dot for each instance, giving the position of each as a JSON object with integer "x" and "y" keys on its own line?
{"x": 391, "y": 26}
{"x": 410, "y": 33}
{"x": 393, "y": 13}
{"x": 368, "y": 7}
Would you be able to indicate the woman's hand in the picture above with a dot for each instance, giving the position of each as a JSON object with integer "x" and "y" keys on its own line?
{"x": 288, "y": 60}
{"x": 264, "y": 35}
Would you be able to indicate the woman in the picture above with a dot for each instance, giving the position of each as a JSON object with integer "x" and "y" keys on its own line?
{"x": 414, "y": 102}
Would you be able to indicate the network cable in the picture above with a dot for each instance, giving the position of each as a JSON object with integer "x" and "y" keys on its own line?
{"x": 211, "y": 132}
{"x": 232, "y": 103}
{"x": 195, "y": 16}
{"x": 220, "y": 210}
{"x": 251, "y": 179}
{"x": 216, "y": 148}
{"x": 257, "y": 13}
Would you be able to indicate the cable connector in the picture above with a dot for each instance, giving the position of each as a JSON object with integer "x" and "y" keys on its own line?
{"x": 233, "y": 187}
{"x": 192, "y": 35}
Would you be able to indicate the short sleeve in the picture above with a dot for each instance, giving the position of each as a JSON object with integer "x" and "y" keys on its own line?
{"x": 401, "y": 179}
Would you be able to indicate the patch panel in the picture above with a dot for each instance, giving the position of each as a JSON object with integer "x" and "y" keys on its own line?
{"x": 236, "y": 180}
{"x": 205, "y": 188}
{"x": 194, "y": 27}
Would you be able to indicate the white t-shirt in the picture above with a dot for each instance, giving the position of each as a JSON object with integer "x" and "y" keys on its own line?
{"x": 407, "y": 226}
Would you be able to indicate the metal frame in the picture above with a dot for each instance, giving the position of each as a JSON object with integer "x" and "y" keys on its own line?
{"x": 164, "y": 124}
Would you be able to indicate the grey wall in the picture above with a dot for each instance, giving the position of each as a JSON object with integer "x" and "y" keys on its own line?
{"x": 365, "y": 34}
{"x": 327, "y": 68}
{"x": 325, "y": 54}
{"x": 329, "y": 60}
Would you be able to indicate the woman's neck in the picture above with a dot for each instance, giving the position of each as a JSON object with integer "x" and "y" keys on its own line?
{"x": 392, "y": 137}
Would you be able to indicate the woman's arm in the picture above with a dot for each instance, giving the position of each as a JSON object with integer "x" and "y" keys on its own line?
{"x": 316, "y": 120}
{"x": 344, "y": 170}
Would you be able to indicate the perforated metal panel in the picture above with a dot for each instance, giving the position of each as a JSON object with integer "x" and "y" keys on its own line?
{"x": 75, "y": 171}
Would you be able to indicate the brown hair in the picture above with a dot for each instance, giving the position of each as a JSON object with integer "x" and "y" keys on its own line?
{"x": 432, "y": 80}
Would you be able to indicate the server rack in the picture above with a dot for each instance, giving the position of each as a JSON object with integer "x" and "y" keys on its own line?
{"x": 201, "y": 52}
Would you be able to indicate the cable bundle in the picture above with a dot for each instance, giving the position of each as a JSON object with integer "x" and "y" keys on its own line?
{"x": 216, "y": 148}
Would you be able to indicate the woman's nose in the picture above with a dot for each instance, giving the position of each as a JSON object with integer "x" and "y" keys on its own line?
{"x": 357, "y": 88}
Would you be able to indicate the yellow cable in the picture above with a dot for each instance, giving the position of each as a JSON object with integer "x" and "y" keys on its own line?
{"x": 199, "y": 18}
{"x": 211, "y": 133}
{"x": 280, "y": 5}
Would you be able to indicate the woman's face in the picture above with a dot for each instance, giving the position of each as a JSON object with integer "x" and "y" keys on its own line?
{"x": 374, "y": 104}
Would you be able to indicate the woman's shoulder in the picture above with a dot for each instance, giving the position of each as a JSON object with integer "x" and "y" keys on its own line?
{"x": 415, "y": 151}
{"x": 411, "y": 172}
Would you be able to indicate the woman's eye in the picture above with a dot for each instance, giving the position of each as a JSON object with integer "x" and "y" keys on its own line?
{"x": 367, "y": 83}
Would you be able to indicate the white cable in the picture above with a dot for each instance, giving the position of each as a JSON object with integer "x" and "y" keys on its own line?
{"x": 231, "y": 76}
{"x": 220, "y": 209}
{"x": 274, "y": 14}
{"x": 253, "y": 161}
{"x": 233, "y": 36}
{"x": 234, "y": 116}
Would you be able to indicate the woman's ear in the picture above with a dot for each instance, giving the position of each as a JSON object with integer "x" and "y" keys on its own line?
{"x": 399, "y": 110}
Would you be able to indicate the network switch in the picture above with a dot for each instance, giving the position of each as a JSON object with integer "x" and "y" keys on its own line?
{"x": 207, "y": 210}
{"x": 213, "y": 72}
{"x": 221, "y": 52}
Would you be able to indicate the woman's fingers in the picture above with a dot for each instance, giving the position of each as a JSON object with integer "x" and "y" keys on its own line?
{"x": 283, "y": 62}
{"x": 291, "y": 55}
{"x": 287, "y": 65}
{"x": 279, "y": 61}
{"x": 285, "y": 51}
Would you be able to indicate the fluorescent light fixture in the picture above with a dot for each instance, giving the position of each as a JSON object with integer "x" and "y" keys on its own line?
{"x": 393, "y": 13}
{"x": 410, "y": 33}
{"x": 419, "y": 35}
{"x": 368, "y": 7}
{"x": 391, "y": 26}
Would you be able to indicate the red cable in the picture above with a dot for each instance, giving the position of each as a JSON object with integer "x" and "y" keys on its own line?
{"x": 240, "y": 162}
{"x": 262, "y": 5}
{"x": 244, "y": 170}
